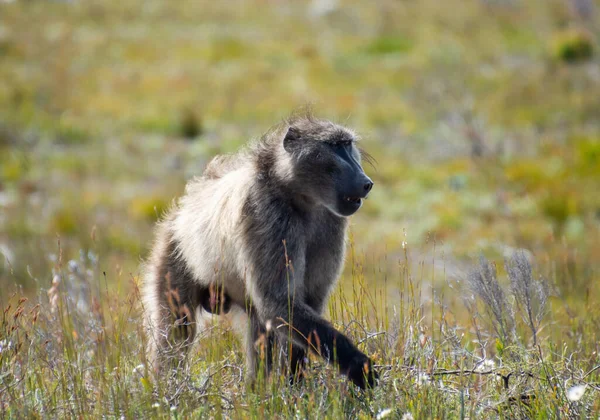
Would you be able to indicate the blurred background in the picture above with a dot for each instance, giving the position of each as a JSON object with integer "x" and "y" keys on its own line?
{"x": 483, "y": 117}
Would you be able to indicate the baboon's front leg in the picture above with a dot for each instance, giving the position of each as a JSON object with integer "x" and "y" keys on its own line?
{"x": 274, "y": 280}
{"x": 299, "y": 355}
{"x": 260, "y": 344}
{"x": 312, "y": 332}
{"x": 297, "y": 364}
{"x": 265, "y": 348}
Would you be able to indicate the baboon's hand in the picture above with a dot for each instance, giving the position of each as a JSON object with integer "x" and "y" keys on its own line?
{"x": 362, "y": 373}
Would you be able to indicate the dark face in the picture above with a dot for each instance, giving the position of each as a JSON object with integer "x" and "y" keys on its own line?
{"x": 351, "y": 183}
{"x": 329, "y": 171}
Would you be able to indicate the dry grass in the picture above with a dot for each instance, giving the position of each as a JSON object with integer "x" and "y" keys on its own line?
{"x": 485, "y": 132}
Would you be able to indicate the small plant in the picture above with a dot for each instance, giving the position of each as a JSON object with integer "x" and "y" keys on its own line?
{"x": 190, "y": 124}
{"x": 389, "y": 45}
{"x": 531, "y": 295}
{"x": 573, "y": 45}
{"x": 483, "y": 282}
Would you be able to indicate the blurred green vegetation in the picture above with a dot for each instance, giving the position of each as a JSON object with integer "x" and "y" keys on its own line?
{"x": 573, "y": 45}
{"x": 482, "y": 139}
{"x": 483, "y": 118}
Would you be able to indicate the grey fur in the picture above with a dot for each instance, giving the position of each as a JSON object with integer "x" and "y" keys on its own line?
{"x": 269, "y": 225}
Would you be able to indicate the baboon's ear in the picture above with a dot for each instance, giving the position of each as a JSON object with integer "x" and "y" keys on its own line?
{"x": 291, "y": 139}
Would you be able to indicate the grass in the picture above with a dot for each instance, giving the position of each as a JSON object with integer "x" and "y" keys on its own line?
{"x": 77, "y": 350}
{"x": 483, "y": 120}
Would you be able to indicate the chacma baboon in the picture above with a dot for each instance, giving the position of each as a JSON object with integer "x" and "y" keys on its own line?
{"x": 262, "y": 231}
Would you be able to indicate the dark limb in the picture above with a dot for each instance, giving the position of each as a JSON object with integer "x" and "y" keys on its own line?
{"x": 176, "y": 324}
{"x": 310, "y": 331}
{"x": 276, "y": 287}
{"x": 297, "y": 364}
{"x": 262, "y": 347}
{"x": 173, "y": 315}
{"x": 259, "y": 348}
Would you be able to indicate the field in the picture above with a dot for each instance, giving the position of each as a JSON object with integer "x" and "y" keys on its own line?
{"x": 473, "y": 268}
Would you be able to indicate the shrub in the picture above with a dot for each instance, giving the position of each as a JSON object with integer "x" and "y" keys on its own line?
{"x": 573, "y": 45}
{"x": 190, "y": 124}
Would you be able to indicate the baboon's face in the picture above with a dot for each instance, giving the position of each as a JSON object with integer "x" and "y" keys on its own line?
{"x": 328, "y": 169}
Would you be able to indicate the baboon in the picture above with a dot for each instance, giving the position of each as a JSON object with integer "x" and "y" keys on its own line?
{"x": 262, "y": 231}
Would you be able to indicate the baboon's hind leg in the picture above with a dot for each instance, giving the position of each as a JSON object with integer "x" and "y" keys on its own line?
{"x": 180, "y": 325}
{"x": 174, "y": 316}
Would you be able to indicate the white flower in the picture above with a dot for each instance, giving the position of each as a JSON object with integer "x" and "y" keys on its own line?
{"x": 82, "y": 306}
{"x": 485, "y": 366}
{"x": 384, "y": 413}
{"x": 319, "y": 8}
{"x": 576, "y": 392}
{"x": 155, "y": 405}
{"x": 173, "y": 408}
{"x": 422, "y": 379}
{"x": 139, "y": 369}
{"x": 407, "y": 416}
{"x": 5, "y": 251}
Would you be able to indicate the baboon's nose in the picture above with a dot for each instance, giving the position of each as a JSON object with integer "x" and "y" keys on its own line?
{"x": 368, "y": 186}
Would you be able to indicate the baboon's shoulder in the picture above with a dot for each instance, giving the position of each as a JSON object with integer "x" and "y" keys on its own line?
{"x": 221, "y": 165}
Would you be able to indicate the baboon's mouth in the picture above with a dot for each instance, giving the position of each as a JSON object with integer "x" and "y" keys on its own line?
{"x": 355, "y": 200}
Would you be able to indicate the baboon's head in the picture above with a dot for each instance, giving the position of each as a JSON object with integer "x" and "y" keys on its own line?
{"x": 326, "y": 165}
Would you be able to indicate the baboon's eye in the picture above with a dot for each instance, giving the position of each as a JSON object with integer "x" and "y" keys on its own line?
{"x": 343, "y": 143}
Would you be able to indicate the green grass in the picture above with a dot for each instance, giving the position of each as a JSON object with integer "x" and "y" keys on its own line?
{"x": 77, "y": 350}
{"x": 483, "y": 120}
